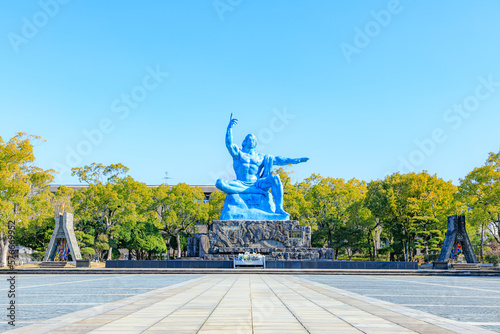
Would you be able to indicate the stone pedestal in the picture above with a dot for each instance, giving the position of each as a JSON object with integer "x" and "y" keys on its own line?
{"x": 198, "y": 245}
{"x": 278, "y": 240}
{"x": 258, "y": 234}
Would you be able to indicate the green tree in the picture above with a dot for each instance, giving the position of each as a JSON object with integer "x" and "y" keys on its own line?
{"x": 215, "y": 205}
{"x": 111, "y": 199}
{"x": 363, "y": 226}
{"x": 146, "y": 238}
{"x": 36, "y": 235}
{"x": 408, "y": 205}
{"x": 331, "y": 201}
{"x": 178, "y": 208}
{"x": 24, "y": 188}
{"x": 85, "y": 242}
{"x": 429, "y": 233}
{"x": 101, "y": 245}
{"x": 61, "y": 201}
{"x": 294, "y": 201}
{"x": 480, "y": 190}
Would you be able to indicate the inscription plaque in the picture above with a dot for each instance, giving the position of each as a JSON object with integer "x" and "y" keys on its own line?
{"x": 295, "y": 234}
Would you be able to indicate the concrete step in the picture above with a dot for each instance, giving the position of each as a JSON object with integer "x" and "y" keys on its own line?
{"x": 465, "y": 266}
{"x": 53, "y": 264}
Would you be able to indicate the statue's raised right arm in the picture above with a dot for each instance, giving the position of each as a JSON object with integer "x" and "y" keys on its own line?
{"x": 231, "y": 147}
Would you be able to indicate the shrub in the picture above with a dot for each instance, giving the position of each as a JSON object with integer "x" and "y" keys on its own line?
{"x": 87, "y": 251}
{"x": 491, "y": 258}
{"x": 385, "y": 250}
{"x": 419, "y": 259}
{"x": 37, "y": 256}
{"x": 431, "y": 258}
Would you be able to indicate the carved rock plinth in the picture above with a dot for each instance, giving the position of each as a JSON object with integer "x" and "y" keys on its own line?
{"x": 276, "y": 239}
{"x": 258, "y": 234}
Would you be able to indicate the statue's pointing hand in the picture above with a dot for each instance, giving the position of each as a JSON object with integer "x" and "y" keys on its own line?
{"x": 232, "y": 121}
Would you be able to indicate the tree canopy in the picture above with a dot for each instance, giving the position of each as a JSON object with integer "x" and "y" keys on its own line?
{"x": 405, "y": 212}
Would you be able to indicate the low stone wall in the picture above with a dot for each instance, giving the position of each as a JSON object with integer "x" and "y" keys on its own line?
{"x": 274, "y": 254}
{"x": 168, "y": 264}
{"x": 330, "y": 264}
{"x": 318, "y": 264}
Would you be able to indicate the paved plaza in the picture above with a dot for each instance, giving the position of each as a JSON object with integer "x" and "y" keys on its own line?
{"x": 253, "y": 303}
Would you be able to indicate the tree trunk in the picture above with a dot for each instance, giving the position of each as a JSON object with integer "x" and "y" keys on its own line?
{"x": 371, "y": 242}
{"x": 426, "y": 248}
{"x": 178, "y": 245}
{"x": 482, "y": 236}
{"x": 372, "y": 258}
{"x": 4, "y": 244}
{"x": 405, "y": 251}
{"x": 110, "y": 254}
{"x": 375, "y": 251}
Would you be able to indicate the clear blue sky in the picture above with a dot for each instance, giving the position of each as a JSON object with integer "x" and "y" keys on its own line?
{"x": 361, "y": 82}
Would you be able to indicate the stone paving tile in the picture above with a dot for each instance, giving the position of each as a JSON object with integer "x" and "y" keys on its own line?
{"x": 414, "y": 320}
{"x": 98, "y": 316}
{"x": 254, "y": 304}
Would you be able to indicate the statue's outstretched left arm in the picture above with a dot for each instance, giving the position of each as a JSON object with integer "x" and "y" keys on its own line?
{"x": 280, "y": 161}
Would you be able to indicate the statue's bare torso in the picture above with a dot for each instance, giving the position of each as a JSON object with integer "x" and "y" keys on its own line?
{"x": 247, "y": 166}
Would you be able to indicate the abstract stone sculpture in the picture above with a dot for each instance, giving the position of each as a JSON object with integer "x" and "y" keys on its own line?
{"x": 457, "y": 234}
{"x": 63, "y": 234}
{"x": 248, "y": 196}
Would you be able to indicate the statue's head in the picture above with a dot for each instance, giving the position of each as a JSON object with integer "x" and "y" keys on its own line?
{"x": 249, "y": 142}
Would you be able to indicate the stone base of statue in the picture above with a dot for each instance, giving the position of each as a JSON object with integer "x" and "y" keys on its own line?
{"x": 251, "y": 207}
{"x": 258, "y": 234}
{"x": 277, "y": 240}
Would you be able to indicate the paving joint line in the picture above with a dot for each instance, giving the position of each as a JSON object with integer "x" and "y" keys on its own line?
{"x": 179, "y": 306}
{"x": 70, "y": 282}
{"x": 293, "y": 313}
{"x": 87, "y": 313}
{"x": 455, "y": 287}
{"x": 361, "y": 305}
{"x": 170, "y": 292}
{"x": 323, "y": 307}
{"x": 251, "y": 303}
{"x": 208, "y": 317}
{"x": 355, "y": 299}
